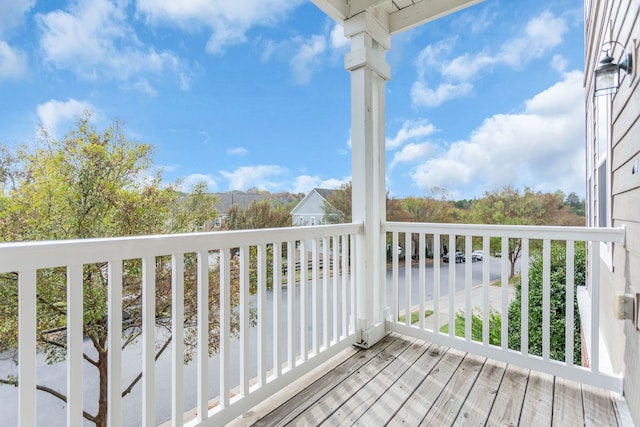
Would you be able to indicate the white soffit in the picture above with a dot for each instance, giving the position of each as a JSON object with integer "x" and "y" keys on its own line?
{"x": 395, "y": 15}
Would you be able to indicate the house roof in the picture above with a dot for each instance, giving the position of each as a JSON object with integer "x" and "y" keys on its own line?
{"x": 322, "y": 192}
{"x": 395, "y": 15}
{"x": 242, "y": 200}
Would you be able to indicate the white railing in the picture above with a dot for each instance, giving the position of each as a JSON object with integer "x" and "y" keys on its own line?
{"x": 305, "y": 317}
{"x": 315, "y": 320}
{"x": 470, "y": 286}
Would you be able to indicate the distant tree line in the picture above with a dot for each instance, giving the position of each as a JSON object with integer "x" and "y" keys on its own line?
{"x": 505, "y": 206}
{"x": 508, "y": 206}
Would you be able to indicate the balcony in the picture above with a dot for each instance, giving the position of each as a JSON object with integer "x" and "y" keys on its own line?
{"x": 403, "y": 381}
{"x": 292, "y": 321}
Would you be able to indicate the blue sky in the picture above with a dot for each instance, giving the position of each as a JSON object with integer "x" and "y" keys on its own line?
{"x": 253, "y": 93}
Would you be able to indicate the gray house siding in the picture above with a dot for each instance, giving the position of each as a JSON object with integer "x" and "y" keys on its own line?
{"x": 613, "y": 179}
{"x": 310, "y": 209}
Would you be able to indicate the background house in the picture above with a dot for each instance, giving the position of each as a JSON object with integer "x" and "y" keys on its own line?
{"x": 613, "y": 179}
{"x": 244, "y": 199}
{"x": 310, "y": 210}
{"x": 226, "y": 200}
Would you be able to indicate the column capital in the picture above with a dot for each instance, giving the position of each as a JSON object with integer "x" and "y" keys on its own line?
{"x": 366, "y": 22}
{"x": 369, "y": 41}
{"x": 369, "y": 57}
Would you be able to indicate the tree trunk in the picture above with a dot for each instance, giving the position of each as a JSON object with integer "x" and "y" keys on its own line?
{"x": 101, "y": 416}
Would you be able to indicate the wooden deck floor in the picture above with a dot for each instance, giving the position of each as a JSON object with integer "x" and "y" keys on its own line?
{"x": 402, "y": 381}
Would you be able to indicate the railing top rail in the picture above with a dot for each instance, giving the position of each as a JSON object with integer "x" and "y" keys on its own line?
{"x": 18, "y": 256}
{"x": 616, "y": 235}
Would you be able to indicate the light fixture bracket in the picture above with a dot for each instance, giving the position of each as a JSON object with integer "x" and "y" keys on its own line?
{"x": 607, "y": 75}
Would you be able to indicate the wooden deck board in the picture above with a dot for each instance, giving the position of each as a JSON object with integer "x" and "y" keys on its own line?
{"x": 384, "y": 408}
{"x": 537, "y": 408}
{"x": 413, "y": 410}
{"x": 567, "y": 404}
{"x": 598, "y": 410}
{"x": 508, "y": 404}
{"x": 330, "y": 402}
{"x": 353, "y": 408}
{"x": 445, "y": 410}
{"x": 477, "y": 406}
{"x": 292, "y": 408}
{"x": 401, "y": 381}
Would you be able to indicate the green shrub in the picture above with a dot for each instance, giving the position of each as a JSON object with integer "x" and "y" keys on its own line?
{"x": 495, "y": 320}
{"x": 557, "y": 304}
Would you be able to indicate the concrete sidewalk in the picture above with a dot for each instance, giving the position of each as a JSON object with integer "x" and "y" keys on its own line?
{"x": 459, "y": 303}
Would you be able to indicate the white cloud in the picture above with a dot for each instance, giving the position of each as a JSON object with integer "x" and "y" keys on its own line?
{"x": 144, "y": 86}
{"x": 53, "y": 113}
{"x": 410, "y": 130}
{"x": 429, "y": 57}
{"x": 421, "y": 95}
{"x": 13, "y": 63}
{"x": 228, "y": 21}
{"x": 263, "y": 177}
{"x": 338, "y": 40}
{"x": 541, "y": 147}
{"x": 307, "y": 58}
{"x": 332, "y": 183}
{"x": 466, "y": 66}
{"x": 304, "y": 183}
{"x": 307, "y": 55}
{"x": 184, "y": 81}
{"x": 276, "y": 178}
{"x": 347, "y": 149}
{"x": 411, "y": 153}
{"x": 238, "y": 151}
{"x": 540, "y": 35}
{"x": 94, "y": 40}
{"x": 559, "y": 63}
{"x": 193, "y": 179}
{"x": 12, "y": 12}
{"x": 471, "y": 21}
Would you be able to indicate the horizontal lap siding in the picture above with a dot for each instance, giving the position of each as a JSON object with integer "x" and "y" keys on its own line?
{"x": 625, "y": 186}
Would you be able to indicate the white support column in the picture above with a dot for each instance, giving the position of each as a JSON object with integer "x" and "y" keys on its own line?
{"x": 369, "y": 73}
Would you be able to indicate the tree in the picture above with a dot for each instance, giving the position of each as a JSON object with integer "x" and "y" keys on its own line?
{"x": 510, "y": 207}
{"x": 337, "y": 208}
{"x": 557, "y": 305}
{"x": 396, "y": 210}
{"x": 258, "y": 214}
{"x": 261, "y": 214}
{"x": 576, "y": 204}
{"x": 431, "y": 208}
{"x": 195, "y": 211}
{"x": 97, "y": 184}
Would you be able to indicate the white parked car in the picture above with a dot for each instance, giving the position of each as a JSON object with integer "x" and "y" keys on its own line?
{"x": 476, "y": 255}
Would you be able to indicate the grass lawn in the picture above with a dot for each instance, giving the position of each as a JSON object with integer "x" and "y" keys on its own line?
{"x": 414, "y": 316}
{"x": 459, "y": 332}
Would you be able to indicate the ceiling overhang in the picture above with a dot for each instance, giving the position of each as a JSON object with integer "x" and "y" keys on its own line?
{"x": 395, "y": 15}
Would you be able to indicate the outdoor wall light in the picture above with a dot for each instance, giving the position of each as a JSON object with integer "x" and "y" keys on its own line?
{"x": 608, "y": 72}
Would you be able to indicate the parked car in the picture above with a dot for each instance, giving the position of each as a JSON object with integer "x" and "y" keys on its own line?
{"x": 498, "y": 254}
{"x": 459, "y": 257}
{"x": 476, "y": 255}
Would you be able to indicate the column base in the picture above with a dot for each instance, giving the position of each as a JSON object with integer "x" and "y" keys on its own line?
{"x": 369, "y": 337}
